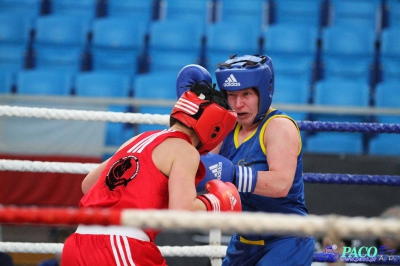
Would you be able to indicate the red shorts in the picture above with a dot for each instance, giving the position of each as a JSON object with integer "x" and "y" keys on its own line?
{"x": 107, "y": 250}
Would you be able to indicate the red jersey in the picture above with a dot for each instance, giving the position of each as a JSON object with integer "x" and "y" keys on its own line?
{"x": 132, "y": 180}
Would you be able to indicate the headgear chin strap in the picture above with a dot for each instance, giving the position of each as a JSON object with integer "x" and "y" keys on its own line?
{"x": 249, "y": 71}
{"x": 203, "y": 109}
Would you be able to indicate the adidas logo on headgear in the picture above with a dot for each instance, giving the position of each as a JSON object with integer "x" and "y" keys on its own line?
{"x": 231, "y": 81}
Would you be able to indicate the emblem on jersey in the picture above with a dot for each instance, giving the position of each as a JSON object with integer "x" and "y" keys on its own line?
{"x": 122, "y": 172}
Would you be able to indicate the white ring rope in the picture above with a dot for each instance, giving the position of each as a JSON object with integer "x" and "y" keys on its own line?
{"x": 64, "y": 114}
{"x": 250, "y": 222}
{"x": 167, "y": 251}
{"x": 52, "y": 167}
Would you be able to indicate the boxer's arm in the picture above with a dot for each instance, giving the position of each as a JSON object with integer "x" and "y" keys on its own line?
{"x": 93, "y": 176}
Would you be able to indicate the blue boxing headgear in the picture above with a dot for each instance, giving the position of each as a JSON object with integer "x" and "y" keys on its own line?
{"x": 248, "y": 71}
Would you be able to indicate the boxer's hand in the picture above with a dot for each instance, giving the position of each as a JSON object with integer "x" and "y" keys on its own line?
{"x": 219, "y": 167}
{"x": 190, "y": 75}
{"x": 221, "y": 197}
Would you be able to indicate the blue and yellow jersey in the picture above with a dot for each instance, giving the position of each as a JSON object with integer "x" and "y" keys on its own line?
{"x": 252, "y": 153}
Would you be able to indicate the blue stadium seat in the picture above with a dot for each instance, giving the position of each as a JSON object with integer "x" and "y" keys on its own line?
{"x": 199, "y": 11}
{"x": 15, "y": 32}
{"x": 60, "y": 42}
{"x": 117, "y": 43}
{"x": 296, "y": 12}
{"x": 289, "y": 90}
{"x": 83, "y": 8}
{"x": 356, "y": 13}
{"x": 252, "y": 13}
{"x": 352, "y": 57}
{"x": 12, "y": 56}
{"x": 7, "y": 81}
{"x": 394, "y": 12}
{"x": 29, "y": 8}
{"x": 335, "y": 143}
{"x": 385, "y": 145}
{"x": 390, "y": 43}
{"x": 44, "y": 82}
{"x": 15, "y": 28}
{"x": 224, "y": 40}
{"x": 108, "y": 84}
{"x": 158, "y": 86}
{"x": 390, "y": 69}
{"x": 102, "y": 84}
{"x": 174, "y": 44}
{"x": 118, "y": 133}
{"x": 387, "y": 96}
{"x": 140, "y": 10}
{"x": 293, "y": 48}
{"x": 341, "y": 92}
{"x": 389, "y": 53}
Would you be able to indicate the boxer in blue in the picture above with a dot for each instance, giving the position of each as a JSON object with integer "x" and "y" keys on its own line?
{"x": 262, "y": 156}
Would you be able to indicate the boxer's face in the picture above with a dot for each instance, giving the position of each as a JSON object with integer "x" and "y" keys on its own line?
{"x": 245, "y": 104}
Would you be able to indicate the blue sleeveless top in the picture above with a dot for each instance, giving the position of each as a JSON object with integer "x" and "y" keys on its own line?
{"x": 252, "y": 153}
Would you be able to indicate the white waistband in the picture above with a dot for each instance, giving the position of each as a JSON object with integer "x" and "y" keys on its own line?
{"x": 127, "y": 231}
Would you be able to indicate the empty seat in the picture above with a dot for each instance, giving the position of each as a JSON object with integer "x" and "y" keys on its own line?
{"x": 15, "y": 28}
{"x": 385, "y": 145}
{"x": 335, "y": 92}
{"x": 14, "y": 40}
{"x": 174, "y": 44}
{"x": 393, "y": 12}
{"x": 389, "y": 53}
{"x": 251, "y": 13}
{"x": 83, "y": 8}
{"x": 102, "y": 84}
{"x": 293, "y": 48}
{"x": 108, "y": 84}
{"x": 348, "y": 58}
{"x": 29, "y": 8}
{"x": 117, "y": 43}
{"x": 387, "y": 96}
{"x": 223, "y": 40}
{"x": 390, "y": 43}
{"x": 197, "y": 11}
{"x": 44, "y": 82}
{"x": 390, "y": 69}
{"x": 61, "y": 42}
{"x": 12, "y": 56}
{"x": 156, "y": 86}
{"x": 356, "y": 13}
{"x": 140, "y": 10}
{"x": 335, "y": 143}
{"x": 6, "y": 82}
{"x": 296, "y": 12}
{"x": 289, "y": 90}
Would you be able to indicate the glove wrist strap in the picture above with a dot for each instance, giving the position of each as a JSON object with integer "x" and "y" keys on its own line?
{"x": 245, "y": 179}
{"x": 211, "y": 201}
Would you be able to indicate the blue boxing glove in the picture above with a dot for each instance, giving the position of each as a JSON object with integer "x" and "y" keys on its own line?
{"x": 189, "y": 75}
{"x": 219, "y": 167}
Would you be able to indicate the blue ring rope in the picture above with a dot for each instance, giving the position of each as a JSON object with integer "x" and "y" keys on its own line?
{"x": 314, "y": 126}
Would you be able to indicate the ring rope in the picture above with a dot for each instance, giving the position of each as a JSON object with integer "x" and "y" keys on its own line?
{"x": 64, "y": 114}
{"x": 341, "y": 226}
{"x": 84, "y": 168}
{"x": 169, "y": 251}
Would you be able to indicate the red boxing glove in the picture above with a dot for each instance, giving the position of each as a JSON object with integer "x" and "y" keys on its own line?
{"x": 221, "y": 197}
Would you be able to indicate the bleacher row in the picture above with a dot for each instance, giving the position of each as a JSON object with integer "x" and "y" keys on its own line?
{"x": 326, "y": 53}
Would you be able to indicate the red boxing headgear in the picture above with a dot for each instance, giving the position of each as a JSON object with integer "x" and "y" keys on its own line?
{"x": 210, "y": 121}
